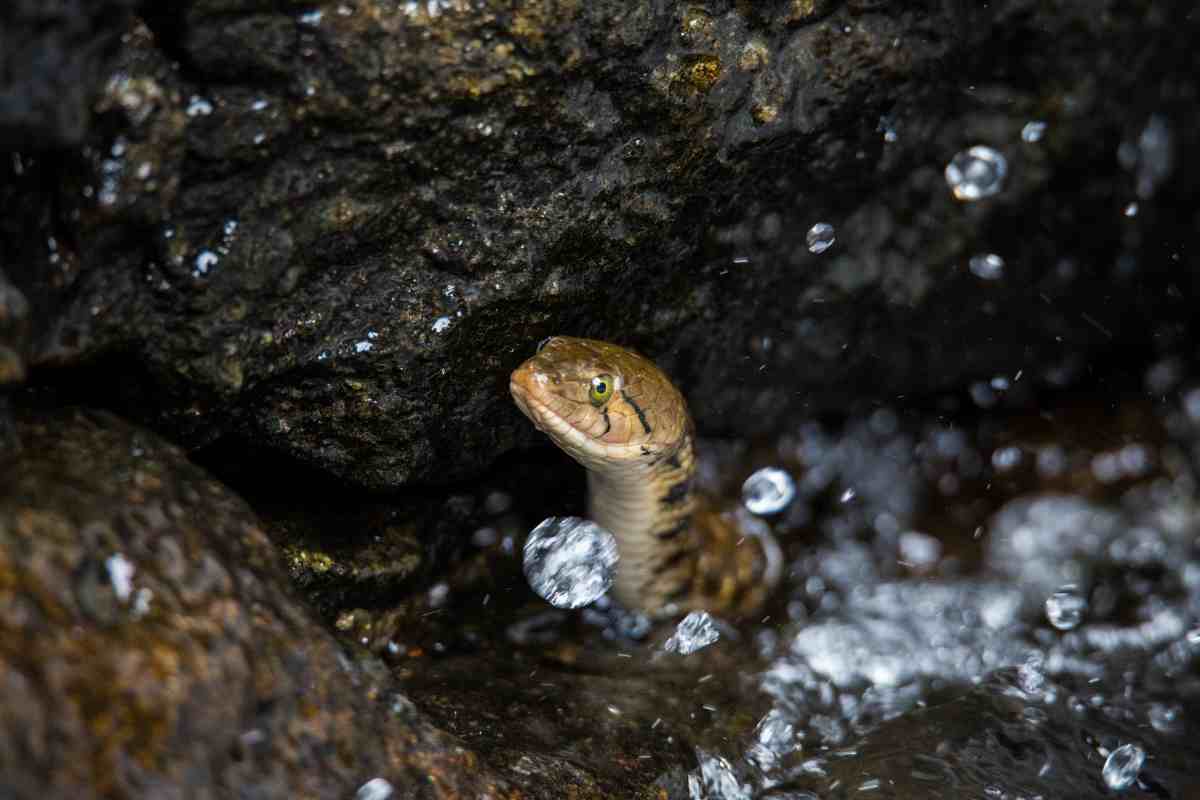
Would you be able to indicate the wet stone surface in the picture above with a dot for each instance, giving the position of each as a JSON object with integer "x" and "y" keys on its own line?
{"x": 332, "y": 228}
{"x": 151, "y": 646}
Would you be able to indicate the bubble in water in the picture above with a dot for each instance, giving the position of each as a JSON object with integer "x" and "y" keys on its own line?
{"x": 1066, "y": 607}
{"x": 695, "y": 632}
{"x": 570, "y": 561}
{"x": 374, "y": 789}
{"x": 1033, "y": 131}
{"x": 768, "y": 490}
{"x": 976, "y": 173}
{"x": 820, "y": 237}
{"x": 1122, "y": 766}
{"x": 714, "y": 779}
{"x": 988, "y": 266}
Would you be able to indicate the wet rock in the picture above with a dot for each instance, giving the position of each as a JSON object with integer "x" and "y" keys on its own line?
{"x": 53, "y": 57}
{"x": 149, "y": 645}
{"x": 333, "y": 228}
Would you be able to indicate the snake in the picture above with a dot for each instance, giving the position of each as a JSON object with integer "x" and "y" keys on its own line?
{"x": 618, "y": 415}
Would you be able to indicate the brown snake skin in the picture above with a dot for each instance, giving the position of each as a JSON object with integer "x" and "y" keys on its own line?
{"x": 619, "y": 416}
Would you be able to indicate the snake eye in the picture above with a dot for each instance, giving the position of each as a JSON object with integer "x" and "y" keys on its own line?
{"x": 601, "y": 389}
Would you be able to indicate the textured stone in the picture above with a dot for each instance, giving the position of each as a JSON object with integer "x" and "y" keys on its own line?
{"x": 151, "y": 647}
{"x": 332, "y": 229}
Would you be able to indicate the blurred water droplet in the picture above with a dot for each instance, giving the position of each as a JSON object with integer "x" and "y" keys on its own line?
{"x": 198, "y": 107}
{"x": 988, "y": 266}
{"x": 768, "y": 490}
{"x": 1122, "y": 766}
{"x": 205, "y": 261}
{"x": 120, "y": 574}
{"x": 569, "y": 561}
{"x": 919, "y": 550}
{"x": 695, "y": 632}
{"x": 1166, "y": 717}
{"x": 1066, "y": 607}
{"x": 374, "y": 789}
{"x": 441, "y": 324}
{"x": 976, "y": 173}
{"x": 1006, "y": 458}
{"x": 820, "y": 237}
{"x": 1131, "y": 210}
{"x": 1033, "y": 131}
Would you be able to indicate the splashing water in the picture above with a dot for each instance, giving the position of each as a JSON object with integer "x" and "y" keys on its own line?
{"x": 570, "y": 561}
{"x": 714, "y": 779}
{"x": 695, "y": 632}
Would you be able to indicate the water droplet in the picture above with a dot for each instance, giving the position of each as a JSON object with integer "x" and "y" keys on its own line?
{"x": 259, "y": 105}
{"x": 441, "y": 324}
{"x": 1166, "y": 718}
{"x": 1066, "y": 607}
{"x": 1122, "y": 766}
{"x": 570, "y": 561}
{"x": 768, "y": 490}
{"x": 311, "y": 17}
{"x": 1006, "y": 458}
{"x": 363, "y": 347}
{"x": 120, "y": 574}
{"x": 988, "y": 266}
{"x": 1033, "y": 131}
{"x": 887, "y": 126}
{"x": 695, "y": 632}
{"x": 820, "y": 237}
{"x": 374, "y": 789}
{"x": 1131, "y": 210}
{"x": 1030, "y": 676}
{"x": 198, "y": 107}
{"x": 205, "y": 261}
{"x": 976, "y": 173}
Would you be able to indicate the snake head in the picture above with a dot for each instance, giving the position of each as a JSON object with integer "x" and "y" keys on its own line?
{"x": 603, "y": 404}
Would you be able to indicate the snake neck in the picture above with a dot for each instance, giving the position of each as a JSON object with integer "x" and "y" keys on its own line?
{"x": 649, "y": 509}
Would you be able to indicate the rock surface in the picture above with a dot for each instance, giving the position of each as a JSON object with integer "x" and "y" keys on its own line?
{"x": 151, "y": 647}
{"x": 333, "y": 228}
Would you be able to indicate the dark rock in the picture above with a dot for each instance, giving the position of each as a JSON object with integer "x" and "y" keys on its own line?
{"x": 150, "y": 645}
{"x": 334, "y": 230}
{"x": 53, "y": 57}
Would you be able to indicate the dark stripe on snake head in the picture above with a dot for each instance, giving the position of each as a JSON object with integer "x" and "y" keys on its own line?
{"x": 638, "y": 409}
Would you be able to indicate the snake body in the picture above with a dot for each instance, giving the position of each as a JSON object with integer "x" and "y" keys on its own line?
{"x": 618, "y": 415}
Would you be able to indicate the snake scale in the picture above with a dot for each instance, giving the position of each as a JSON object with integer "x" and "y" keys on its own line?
{"x": 618, "y": 415}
